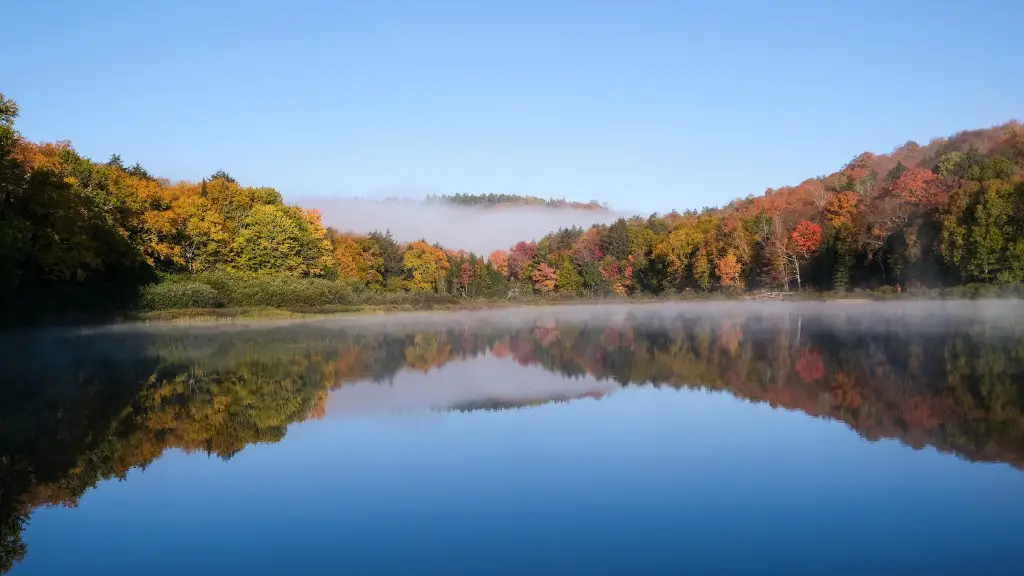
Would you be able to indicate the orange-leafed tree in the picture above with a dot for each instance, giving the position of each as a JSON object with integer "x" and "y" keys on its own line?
{"x": 840, "y": 208}
{"x": 352, "y": 261}
{"x": 544, "y": 278}
{"x": 728, "y": 270}
{"x": 917, "y": 186}
{"x": 499, "y": 261}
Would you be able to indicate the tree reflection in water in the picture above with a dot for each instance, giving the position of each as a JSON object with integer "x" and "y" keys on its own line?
{"x": 76, "y": 409}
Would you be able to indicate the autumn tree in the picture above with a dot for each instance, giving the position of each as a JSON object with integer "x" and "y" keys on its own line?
{"x": 806, "y": 239}
{"x": 519, "y": 259}
{"x": 499, "y": 261}
{"x": 728, "y": 270}
{"x": 790, "y": 250}
{"x": 587, "y": 248}
{"x": 15, "y": 230}
{"x": 428, "y": 266}
{"x": 464, "y": 278}
{"x": 353, "y": 262}
{"x": 916, "y": 186}
{"x": 270, "y": 242}
{"x": 569, "y": 280}
{"x": 544, "y": 278}
{"x": 198, "y": 232}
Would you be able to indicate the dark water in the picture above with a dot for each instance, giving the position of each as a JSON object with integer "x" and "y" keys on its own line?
{"x": 652, "y": 439}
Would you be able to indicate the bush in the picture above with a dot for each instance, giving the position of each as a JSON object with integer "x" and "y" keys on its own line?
{"x": 169, "y": 295}
{"x": 257, "y": 290}
{"x": 285, "y": 292}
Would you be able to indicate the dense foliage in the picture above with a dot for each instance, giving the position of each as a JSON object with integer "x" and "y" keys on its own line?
{"x": 81, "y": 238}
{"x": 948, "y": 213}
{"x": 76, "y": 409}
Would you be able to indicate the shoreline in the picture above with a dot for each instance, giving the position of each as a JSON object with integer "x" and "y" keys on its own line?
{"x": 205, "y": 316}
{"x": 254, "y": 314}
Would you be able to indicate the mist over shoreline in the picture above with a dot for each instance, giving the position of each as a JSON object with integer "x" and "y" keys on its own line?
{"x": 477, "y": 229}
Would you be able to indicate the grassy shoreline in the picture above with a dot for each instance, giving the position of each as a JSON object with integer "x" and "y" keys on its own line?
{"x": 257, "y": 313}
{"x": 249, "y": 314}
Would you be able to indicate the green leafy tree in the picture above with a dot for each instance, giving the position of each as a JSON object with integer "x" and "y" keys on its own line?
{"x": 270, "y": 241}
{"x": 590, "y": 276}
{"x": 569, "y": 280}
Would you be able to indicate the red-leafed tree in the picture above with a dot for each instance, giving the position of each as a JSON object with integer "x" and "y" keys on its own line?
{"x": 519, "y": 258}
{"x": 788, "y": 251}
{"x": 806, "y": 238}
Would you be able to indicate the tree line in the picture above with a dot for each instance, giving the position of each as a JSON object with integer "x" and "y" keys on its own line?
{"x": 945, "y": 214}
{"x": 80, "y": 236}
{"x": 487, "y": 200}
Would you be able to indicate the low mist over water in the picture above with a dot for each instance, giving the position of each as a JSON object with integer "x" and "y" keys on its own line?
{"x": 642, "y": 438}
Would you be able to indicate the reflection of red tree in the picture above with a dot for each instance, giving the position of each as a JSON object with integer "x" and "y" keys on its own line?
{"x": 545, "y": 336}
{"x": 918, "y": 413}
{"x": 545, "y": 331}
{"x": 522, "y": 350}
{"x": 809, "y": 365}
{"x": 501, "y": 349}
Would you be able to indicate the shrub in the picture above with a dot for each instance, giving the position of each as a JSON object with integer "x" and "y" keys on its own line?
{"x": 286, "y": 292}
{"x": 180, "y": 294}
{"x": 254, "y": 290}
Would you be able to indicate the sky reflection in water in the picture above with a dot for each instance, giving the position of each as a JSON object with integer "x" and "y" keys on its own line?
{"x": 417, "y": 473}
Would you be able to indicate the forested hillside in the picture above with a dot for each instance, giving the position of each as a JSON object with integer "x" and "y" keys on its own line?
{"x": 947, "y": 213}
{"x": 82, "y": 237}
{"x": 488, "y": 200}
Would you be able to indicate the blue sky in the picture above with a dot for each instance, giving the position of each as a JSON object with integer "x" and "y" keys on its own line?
{"x": 647, "y": 105}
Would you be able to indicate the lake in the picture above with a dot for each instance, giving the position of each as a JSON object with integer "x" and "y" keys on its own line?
{"x": 661, "y": 438}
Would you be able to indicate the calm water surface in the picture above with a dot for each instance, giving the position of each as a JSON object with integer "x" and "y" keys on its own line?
{"x": 862, "y": 439}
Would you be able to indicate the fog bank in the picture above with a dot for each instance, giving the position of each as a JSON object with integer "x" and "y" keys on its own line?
{"x": 477, "y": 229}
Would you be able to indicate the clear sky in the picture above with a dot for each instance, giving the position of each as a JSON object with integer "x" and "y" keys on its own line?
{"x": 647, "y": 105}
